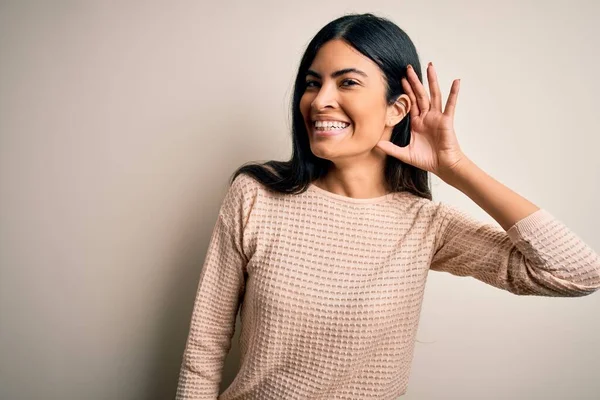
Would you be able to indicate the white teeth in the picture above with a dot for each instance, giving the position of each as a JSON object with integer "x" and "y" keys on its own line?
{"x": 331, "y": 124}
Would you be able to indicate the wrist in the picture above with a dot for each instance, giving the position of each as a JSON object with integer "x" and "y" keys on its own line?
{"x": 455, "y": 173}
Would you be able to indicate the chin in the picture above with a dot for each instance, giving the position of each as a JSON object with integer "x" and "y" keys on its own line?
{"x": 322, "y": 151}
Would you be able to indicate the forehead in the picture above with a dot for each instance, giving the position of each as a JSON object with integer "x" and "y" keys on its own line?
{"x": 337, "y": 54}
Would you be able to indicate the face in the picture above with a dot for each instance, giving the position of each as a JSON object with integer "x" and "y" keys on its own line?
{"x": 344, "y": 104}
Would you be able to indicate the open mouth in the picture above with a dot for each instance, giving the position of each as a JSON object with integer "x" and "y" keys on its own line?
{"x": 329, "y": 128}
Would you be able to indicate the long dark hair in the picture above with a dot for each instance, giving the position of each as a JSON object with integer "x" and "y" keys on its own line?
{"x": 392, "y": 50}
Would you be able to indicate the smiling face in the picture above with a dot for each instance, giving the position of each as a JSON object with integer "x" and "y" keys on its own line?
{"x": 344, "y": 103}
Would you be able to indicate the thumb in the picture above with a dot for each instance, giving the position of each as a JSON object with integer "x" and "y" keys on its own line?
{"x": 401, "y": 153}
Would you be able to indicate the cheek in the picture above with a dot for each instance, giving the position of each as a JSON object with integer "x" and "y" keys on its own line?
{"x": 362, "y": 114}
{"x": 368, "y": 121}
{"x": 368, "y": 112}
{"x": 305, "y": 101}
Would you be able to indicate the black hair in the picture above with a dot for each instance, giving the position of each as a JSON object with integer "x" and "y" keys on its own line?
{"x": 392, "y": 50}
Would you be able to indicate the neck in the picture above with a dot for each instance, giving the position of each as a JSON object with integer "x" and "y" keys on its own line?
{"x": 356, "y": 181}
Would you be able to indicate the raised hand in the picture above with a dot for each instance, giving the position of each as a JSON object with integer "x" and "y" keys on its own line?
{"x": 433, "y": 146}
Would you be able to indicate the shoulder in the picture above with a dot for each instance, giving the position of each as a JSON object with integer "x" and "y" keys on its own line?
{"x": 420, "y": 207}
{"x": 240, "y": 197}
{"x": 244, "y": 185}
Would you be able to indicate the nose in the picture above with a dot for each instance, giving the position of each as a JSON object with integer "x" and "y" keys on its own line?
{"x": 326, "y": 97}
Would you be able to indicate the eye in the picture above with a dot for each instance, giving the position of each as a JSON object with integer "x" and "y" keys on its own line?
{"x": 349, "y": 81}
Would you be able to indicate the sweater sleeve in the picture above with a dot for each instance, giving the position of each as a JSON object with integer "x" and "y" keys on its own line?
{"x": 218, "y": 297}
{"x": 538, "y": 255}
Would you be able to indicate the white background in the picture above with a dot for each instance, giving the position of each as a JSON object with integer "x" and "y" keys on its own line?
{"x": 121, "y": 122}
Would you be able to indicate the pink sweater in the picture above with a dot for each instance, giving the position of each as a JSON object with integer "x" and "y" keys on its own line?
{"x": 330, "y": 287}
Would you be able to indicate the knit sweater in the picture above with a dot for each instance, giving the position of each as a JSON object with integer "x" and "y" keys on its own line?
{"x": 330, "y": 287}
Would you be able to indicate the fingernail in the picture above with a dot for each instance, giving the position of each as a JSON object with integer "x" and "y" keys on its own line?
{"x": 430, "y": 64}
{"x": 409, "y": 66}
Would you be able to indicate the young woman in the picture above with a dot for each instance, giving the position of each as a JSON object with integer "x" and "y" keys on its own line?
{"x": 326, "y": 255}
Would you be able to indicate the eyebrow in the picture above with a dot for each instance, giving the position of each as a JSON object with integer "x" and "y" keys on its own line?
{"x": 310, "y": 72}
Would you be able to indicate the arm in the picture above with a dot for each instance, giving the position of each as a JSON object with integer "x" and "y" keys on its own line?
{"x": 213, "y": 319}
{"x": 536, "y": 255}
{"x": 500, "y": 202}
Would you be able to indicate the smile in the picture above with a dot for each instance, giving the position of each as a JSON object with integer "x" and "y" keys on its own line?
{"x": 329, "y": 128}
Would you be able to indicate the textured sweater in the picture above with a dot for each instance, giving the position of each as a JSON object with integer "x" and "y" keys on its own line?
{"x": 330, "y": 287}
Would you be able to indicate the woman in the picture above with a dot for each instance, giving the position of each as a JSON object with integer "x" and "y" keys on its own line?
{"x": 327, "y": 255}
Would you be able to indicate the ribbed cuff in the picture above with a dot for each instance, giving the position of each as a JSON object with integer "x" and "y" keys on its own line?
{"x": 529, "y": 224}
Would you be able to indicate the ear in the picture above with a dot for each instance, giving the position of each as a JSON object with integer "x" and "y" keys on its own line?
{"x": 397, "y": 111}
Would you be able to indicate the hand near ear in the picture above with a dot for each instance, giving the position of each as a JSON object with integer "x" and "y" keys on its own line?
{"x": 433, "y": 146}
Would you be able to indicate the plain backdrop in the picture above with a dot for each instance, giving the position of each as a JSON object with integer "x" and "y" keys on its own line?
{"x": 121, "y": 123}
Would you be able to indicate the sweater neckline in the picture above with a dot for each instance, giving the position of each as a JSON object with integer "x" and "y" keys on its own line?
{"x": 371, "y": 200}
